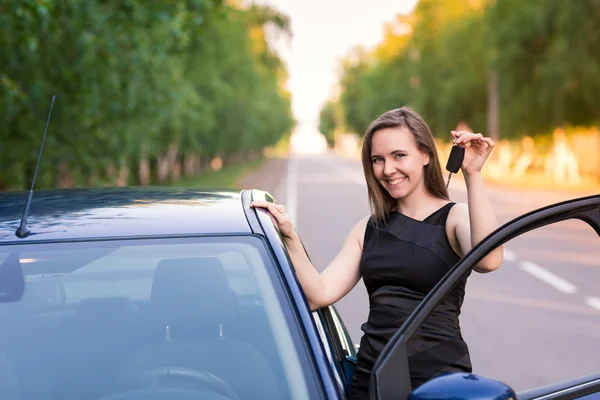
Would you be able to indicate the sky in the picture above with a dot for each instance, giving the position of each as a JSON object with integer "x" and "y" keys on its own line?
{"x": 324, "y": 31}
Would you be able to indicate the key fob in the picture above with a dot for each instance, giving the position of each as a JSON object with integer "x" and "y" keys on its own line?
{"x": 457, "y": 155}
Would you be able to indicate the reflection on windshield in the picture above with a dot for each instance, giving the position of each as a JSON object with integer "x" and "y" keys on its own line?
{"x": 162, "y": 317}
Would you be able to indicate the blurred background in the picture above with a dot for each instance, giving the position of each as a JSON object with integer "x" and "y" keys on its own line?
{"x": 146, "y": 92}
{"x": 276, "y": 94}
{"x": 525, "y": 73}
{"x": 150, "y": 92}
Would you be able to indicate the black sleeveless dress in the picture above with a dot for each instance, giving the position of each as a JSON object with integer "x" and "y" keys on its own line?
{"x": 402, "y": 261}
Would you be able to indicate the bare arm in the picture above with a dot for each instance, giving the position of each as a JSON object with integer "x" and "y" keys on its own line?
{"x": 340, "y": 276}
{"x": 475, "y": 221}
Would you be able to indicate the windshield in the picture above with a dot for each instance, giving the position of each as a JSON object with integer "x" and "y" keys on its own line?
{"x": 175, "y": 316}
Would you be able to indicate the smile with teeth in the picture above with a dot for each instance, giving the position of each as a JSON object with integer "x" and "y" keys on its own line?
{"x": 396, "y": 181}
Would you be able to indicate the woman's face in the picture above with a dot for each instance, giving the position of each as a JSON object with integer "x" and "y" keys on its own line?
{"x": 397, "y": 161}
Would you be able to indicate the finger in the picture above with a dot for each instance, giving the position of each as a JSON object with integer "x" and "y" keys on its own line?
{"x": 489, "y": 141}
{"x": 260, "y": 203}
{"x": 458, "y": 134}
{"x": 482, "y": 142}
{"x": 467, "y": 137}
{"x": 273, "y": 219}
{"x": 472, "y": 136}
{"x": 275, "y": 212}
{"x": 460, "y": 138}
{"x": 266, "y": 204}
{"x": 280, "y": 208}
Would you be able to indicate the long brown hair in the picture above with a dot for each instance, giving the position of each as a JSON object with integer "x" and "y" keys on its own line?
{"x": 381, "y": 202}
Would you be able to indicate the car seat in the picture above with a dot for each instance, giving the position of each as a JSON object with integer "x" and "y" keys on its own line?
{"x": 192, "y": 304}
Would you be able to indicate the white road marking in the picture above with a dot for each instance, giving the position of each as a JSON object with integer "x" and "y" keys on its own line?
{"x": 291, "y": 193}
{"x": 593, "y": 302}
{"x": 510, "y": 256}
{"x": 550, "y": 278}
{"x": 553, "y": 280}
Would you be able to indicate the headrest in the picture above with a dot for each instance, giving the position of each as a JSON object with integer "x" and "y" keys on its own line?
{"x": 192, "y": 290}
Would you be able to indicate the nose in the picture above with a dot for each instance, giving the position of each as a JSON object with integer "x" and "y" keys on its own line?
{"x": 388, "y": 168}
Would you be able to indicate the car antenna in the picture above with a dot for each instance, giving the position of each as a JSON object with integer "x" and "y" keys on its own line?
{"x": 23, "y": 229}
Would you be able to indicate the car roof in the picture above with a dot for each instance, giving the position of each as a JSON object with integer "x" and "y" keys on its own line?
{"x": 58, "y": 214}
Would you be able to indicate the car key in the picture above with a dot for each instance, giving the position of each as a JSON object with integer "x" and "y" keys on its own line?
{"x": 457, "y": 155}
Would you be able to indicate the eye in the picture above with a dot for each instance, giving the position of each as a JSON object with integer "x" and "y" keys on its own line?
{"x": 399, "y": 155}
{"x": 376, "y": 159}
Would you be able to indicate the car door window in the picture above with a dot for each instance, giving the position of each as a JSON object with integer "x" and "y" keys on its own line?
{"x": 340, "y": 349}
{"x": 328, "y": 341}
{"x": 342, "y": 333}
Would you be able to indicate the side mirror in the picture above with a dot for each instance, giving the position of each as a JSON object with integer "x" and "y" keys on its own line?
{"x": 462, "y": 386}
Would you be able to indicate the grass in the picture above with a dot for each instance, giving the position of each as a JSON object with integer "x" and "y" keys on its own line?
{"x": 225, "y": 178}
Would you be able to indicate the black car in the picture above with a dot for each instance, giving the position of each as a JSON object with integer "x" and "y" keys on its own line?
{"x": 172, "y": 293}
{"x": 127, "y": 293}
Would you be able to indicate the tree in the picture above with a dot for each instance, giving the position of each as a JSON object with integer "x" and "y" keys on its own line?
{"x": 158, "y": 82}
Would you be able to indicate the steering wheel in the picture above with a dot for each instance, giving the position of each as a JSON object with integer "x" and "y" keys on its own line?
{"x": 164, "y": 376}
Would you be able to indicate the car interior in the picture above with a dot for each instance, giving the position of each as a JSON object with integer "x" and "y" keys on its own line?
{"x": 189, "y": 332}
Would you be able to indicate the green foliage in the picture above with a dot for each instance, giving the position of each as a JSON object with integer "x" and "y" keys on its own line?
{"x": 329, "y": 119}
{"x": 546, "y": 54}
{"x": 131, "y": 79}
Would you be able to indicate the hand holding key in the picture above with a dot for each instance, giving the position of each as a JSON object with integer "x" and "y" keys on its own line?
{"x": 455, "y": 160}
{"x": 477, "y": 149}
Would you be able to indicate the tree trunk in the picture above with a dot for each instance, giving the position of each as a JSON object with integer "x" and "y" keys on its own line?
{"x": 493, "y": 106}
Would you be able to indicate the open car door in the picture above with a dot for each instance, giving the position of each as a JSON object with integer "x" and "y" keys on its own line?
{"x": 390, "y": 378}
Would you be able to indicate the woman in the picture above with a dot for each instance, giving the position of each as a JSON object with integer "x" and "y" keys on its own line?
{"x": 413, "y": 237}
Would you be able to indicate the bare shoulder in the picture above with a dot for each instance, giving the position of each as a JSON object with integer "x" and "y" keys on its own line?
{"x": 359, "y": 229}
{"x": 457, "y": 225}
{"x": 458, "y": 215}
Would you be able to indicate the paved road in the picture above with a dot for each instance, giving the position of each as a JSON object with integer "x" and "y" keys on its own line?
{"x": 534, "y": 321}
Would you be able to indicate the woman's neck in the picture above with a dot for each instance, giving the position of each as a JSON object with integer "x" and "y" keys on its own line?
{"x": 418, "y": 203}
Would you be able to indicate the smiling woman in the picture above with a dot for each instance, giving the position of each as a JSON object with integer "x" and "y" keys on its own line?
{"x": 413, "y": 237}
{"x": 400, "y": 150}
